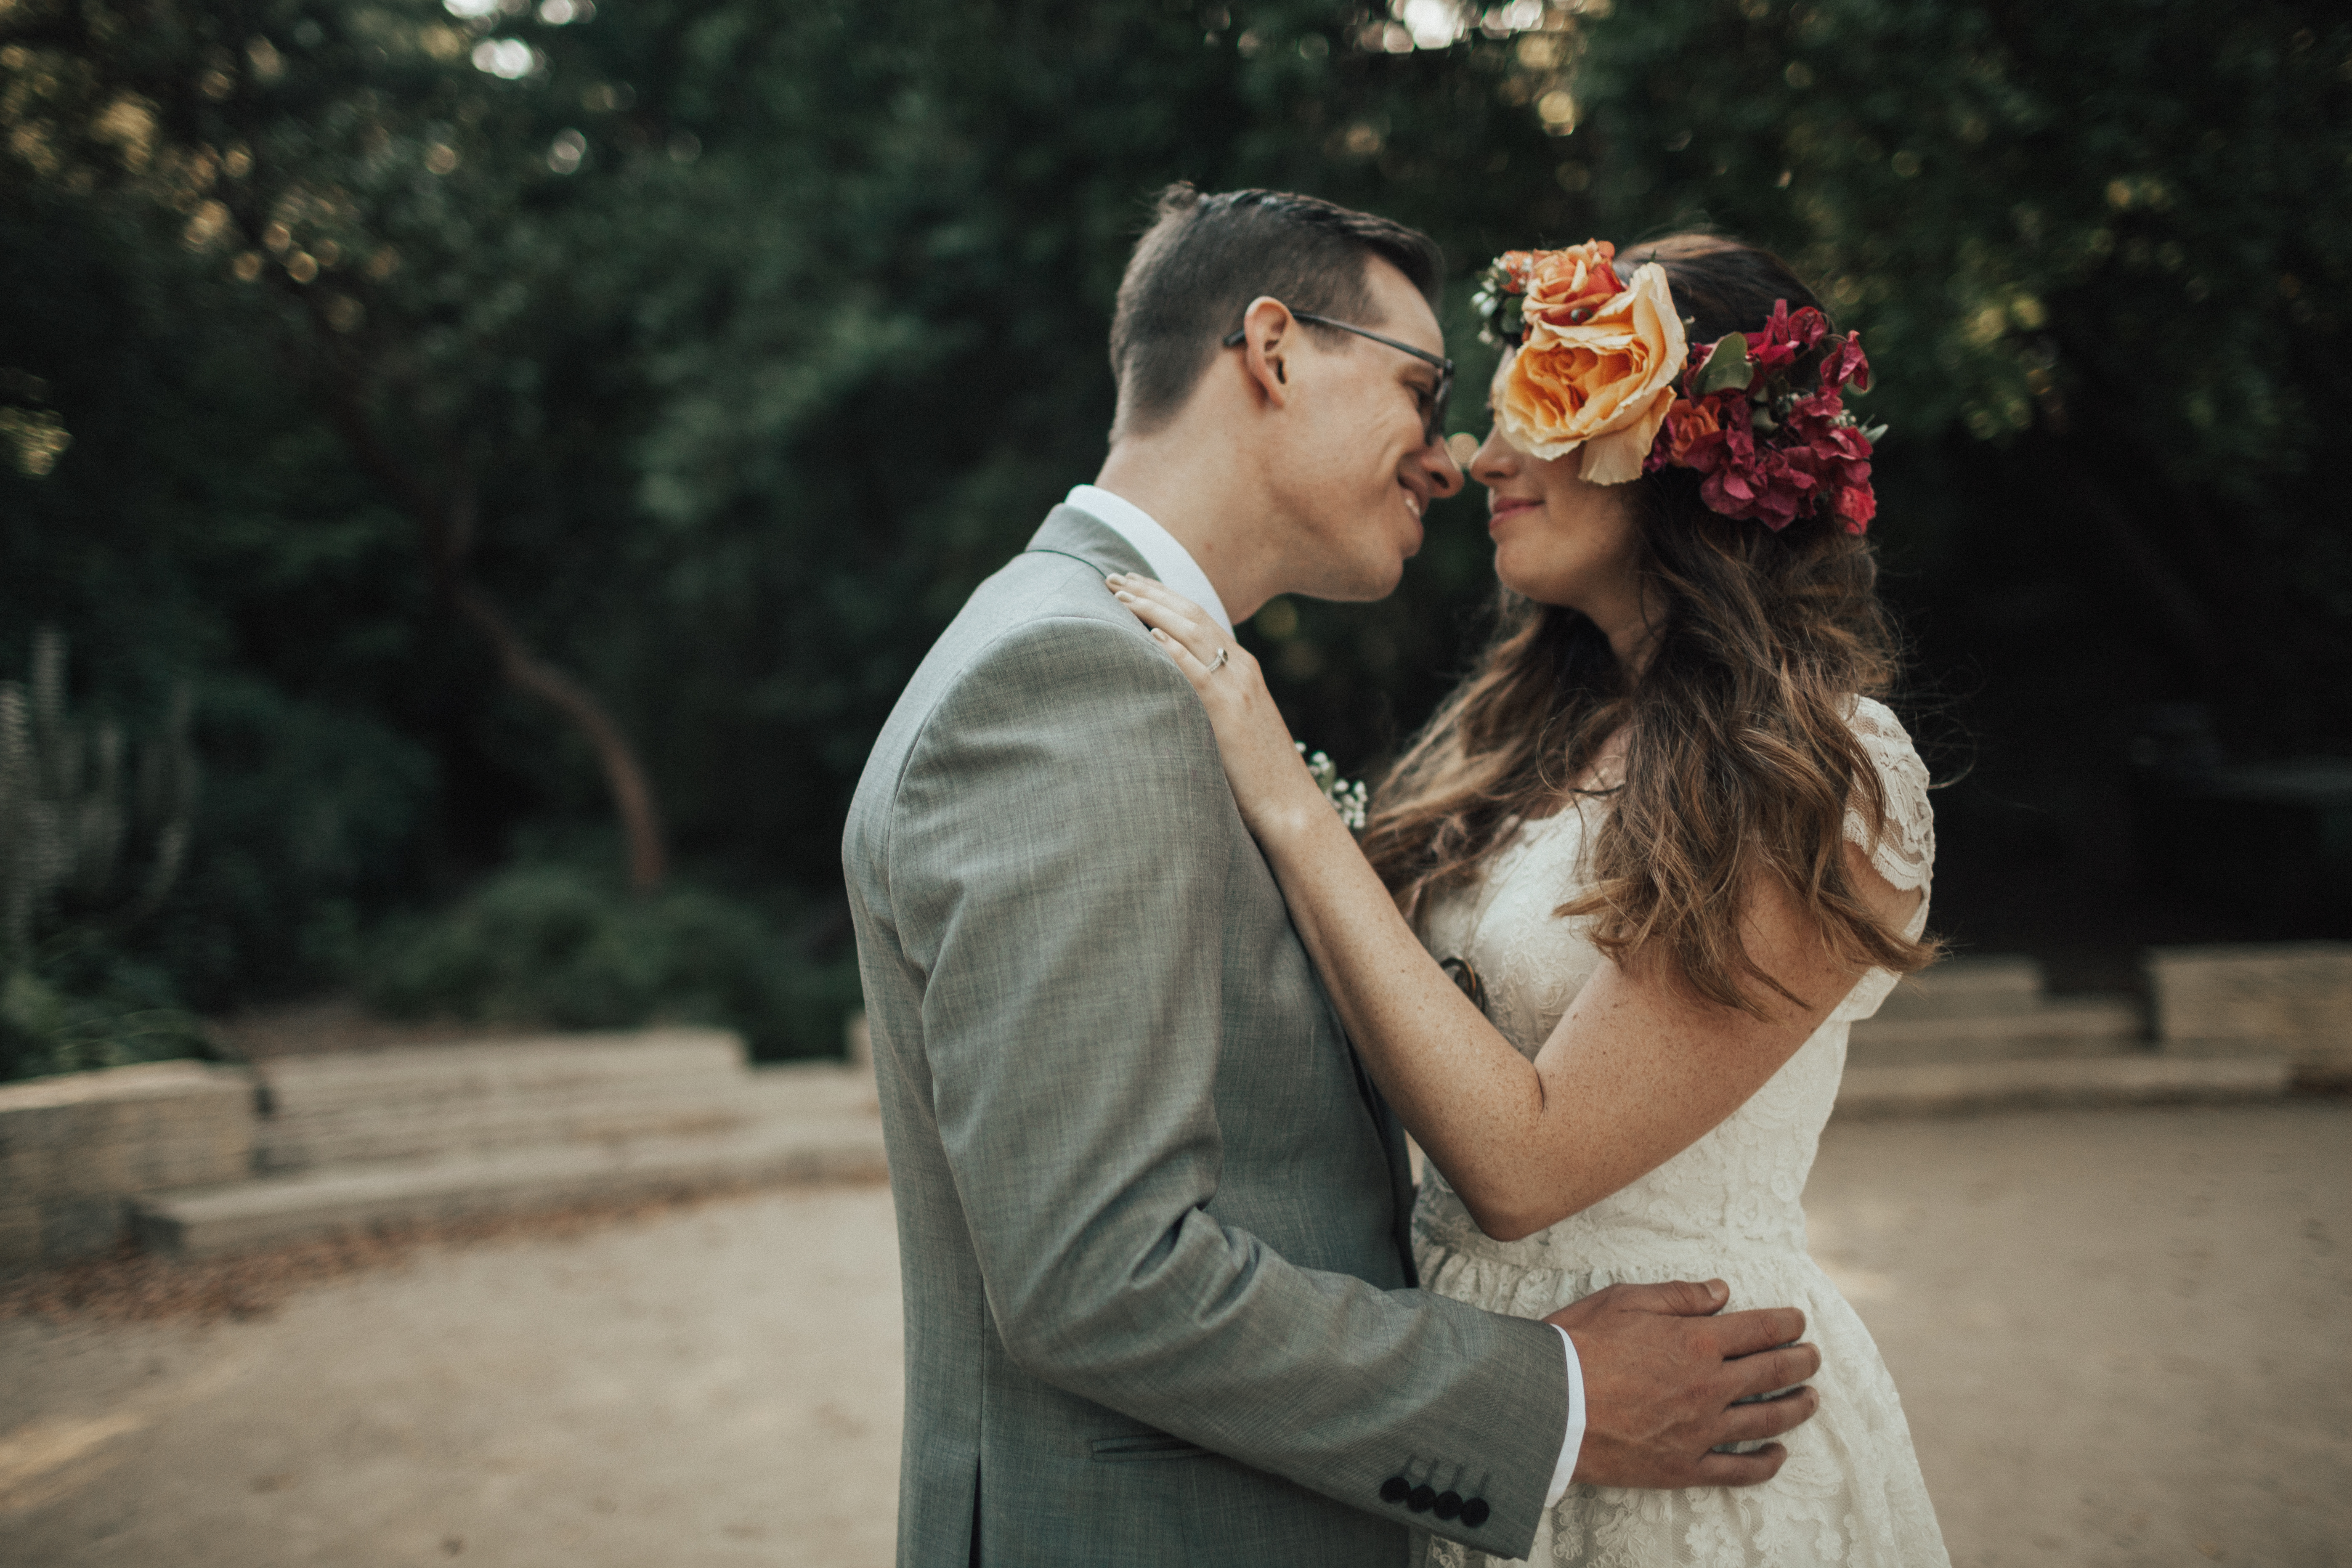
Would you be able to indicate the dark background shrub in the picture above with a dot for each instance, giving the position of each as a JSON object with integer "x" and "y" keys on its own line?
{"x": 733, "y": 408}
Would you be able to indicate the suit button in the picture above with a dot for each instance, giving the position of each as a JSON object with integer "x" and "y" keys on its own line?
{"x": 1475, "y": 1512}
{"x": 1448, "y": 1504}
{"x": 1395, "y": 1488}
{"x": 1420, "y": 1497}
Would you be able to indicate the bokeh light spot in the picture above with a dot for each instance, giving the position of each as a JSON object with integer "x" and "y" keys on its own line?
{"x": 509, "y": 59}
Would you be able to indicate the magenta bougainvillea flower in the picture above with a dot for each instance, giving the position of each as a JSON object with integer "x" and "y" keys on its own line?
{"x": 1764, "y": 451}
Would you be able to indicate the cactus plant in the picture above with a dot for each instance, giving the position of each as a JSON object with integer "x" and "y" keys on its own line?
{"x": 75, "y": 799}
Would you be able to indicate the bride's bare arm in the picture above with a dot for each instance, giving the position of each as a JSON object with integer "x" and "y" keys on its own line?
{"x": 1636, "y": 1071}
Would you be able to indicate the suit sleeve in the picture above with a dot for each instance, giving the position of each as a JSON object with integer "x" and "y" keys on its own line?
{"x": 1059, "y": 837}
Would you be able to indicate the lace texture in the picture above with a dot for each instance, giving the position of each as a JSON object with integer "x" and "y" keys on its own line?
{"x": 1726, "y": 1207}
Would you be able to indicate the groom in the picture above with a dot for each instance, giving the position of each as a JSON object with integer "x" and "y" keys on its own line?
{"x": 1159, "y": 1297}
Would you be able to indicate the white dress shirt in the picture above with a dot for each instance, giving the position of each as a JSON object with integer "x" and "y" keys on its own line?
{"x": 1174, "y": 564}
{"x": 1168, "y": 560}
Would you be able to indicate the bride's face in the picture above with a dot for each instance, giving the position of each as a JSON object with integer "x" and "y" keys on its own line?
{"x": 1560, "y": 539}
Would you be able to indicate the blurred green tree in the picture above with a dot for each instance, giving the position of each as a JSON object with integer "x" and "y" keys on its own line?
{"x": 2098, "y": 252}
{"x": 2108, "y": 239}
{"x": 708, "y": 353}
{"x": 406, "y": 220}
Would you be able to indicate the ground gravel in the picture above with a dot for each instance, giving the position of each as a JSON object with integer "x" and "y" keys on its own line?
{"x": 2118, "y": 1336}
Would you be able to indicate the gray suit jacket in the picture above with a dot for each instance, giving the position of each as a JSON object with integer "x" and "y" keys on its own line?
{"x": 1160, "y": 1302}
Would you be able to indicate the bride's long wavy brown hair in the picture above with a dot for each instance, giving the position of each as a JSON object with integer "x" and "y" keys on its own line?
{"x": 1738, "y": 765}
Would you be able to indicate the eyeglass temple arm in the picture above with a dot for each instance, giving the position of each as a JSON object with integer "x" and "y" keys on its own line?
{"x": 1421, "y": 355}
{"x": 1236, "y": 338}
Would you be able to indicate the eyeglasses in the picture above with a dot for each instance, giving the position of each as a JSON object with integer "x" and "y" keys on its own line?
{"x": 1433, "y": 402}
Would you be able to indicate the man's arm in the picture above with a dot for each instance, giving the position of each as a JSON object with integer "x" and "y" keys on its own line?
{"x": 1058, "y": 847}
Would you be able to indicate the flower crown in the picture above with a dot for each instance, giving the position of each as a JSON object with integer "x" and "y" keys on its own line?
{"x": 1603, "y": 365}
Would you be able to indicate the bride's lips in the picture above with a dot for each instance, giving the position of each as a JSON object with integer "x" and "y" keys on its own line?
{"x": 1501, "y": 508}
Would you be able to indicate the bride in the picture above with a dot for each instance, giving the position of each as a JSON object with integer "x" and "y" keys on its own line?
{"x": 1619, "y": 902}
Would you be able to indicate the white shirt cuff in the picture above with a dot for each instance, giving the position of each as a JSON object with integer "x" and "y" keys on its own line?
{"x": 1573, "y": 1441}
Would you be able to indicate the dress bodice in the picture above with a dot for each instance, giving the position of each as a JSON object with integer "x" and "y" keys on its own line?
{"x": 1739, "y": 1184}
{"x": 1726, "y": 1207}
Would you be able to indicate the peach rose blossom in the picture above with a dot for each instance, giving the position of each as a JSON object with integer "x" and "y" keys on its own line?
{"x": 1567, "y": 288}
{"x": 1604, "y": 384}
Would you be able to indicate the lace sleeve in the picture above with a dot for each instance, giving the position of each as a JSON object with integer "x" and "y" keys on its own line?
{"x": 1903, "y": 852}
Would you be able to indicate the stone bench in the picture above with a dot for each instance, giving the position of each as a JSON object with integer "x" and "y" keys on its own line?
{"x": 2272, "y": 999}
{"x": 492, "y": 1096}
{"x": 75, "y": 1151}
{"x": 830, "y": 1133}
{"x": 197, "y": 1159}
{"x": 419, "y": 1135}
{"x": 1993, "y": 1009}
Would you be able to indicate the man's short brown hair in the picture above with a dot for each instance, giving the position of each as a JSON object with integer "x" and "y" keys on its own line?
{"x": 1205, "y": 257}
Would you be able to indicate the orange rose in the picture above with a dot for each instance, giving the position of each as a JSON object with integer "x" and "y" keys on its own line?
{"x": 1686, "y": 423}
{"x": 1567, "y": 288}
{"x": 1603, "y": 385}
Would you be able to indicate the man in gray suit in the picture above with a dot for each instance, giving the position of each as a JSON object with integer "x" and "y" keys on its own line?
{"x": 1160, "y": 1305}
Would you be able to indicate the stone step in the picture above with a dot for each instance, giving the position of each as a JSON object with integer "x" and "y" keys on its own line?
{"x": 1989, "y": 986}
{"x": 488, "y": 1096}
{"x": 433, "y": 1074}
{"x": 2070, "y": 1026}
{"x": 833, "y": 1135}
{"x": 361, "y": 1136}
{"x": 72, "y": 1146}
{"x": 1932, "y": 1089}
{"x": 593, "y": 1113}
{"x": 2254, "y": 999}
{"x": 817, "y": 1088}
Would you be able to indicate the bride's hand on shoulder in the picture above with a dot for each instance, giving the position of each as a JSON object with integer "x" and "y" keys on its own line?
{"x": 1270, "y": 782}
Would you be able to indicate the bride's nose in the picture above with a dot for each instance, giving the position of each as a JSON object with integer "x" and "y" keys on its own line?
{"x": 1495, "y": 460}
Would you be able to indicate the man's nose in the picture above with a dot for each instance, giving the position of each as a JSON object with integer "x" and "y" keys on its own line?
{"x": 1445, "y": 473}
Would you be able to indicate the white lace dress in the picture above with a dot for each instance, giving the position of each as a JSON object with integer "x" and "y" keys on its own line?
{"x": 1726, "y": 1207}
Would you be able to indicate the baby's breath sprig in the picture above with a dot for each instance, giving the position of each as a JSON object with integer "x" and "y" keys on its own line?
{"x": 1347, "y": 799}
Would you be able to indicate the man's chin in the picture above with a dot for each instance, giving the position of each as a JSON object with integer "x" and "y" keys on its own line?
{"x": 1362, "y": 586}
{"x": 1379, "y": 580}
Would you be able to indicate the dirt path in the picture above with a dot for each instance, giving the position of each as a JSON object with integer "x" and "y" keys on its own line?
{"x": 719, "y": 1385}
{"x": 2119, "y": 1336}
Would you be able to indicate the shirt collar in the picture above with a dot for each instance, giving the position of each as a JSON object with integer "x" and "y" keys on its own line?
{"x": 1168, "y": 560}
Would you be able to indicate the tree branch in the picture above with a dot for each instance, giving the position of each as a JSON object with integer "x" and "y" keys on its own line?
{"x": 444, "y": 525}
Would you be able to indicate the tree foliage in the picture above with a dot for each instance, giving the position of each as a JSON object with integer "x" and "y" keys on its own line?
{"x": 719, "y": 348}
{"x": 2113, "y": 236}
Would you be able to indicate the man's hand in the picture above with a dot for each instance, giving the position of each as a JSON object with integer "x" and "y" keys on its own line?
{"x": 1662, "y": 1373}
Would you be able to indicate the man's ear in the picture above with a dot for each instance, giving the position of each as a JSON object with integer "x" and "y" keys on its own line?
{"x": 1267, "y": 331}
